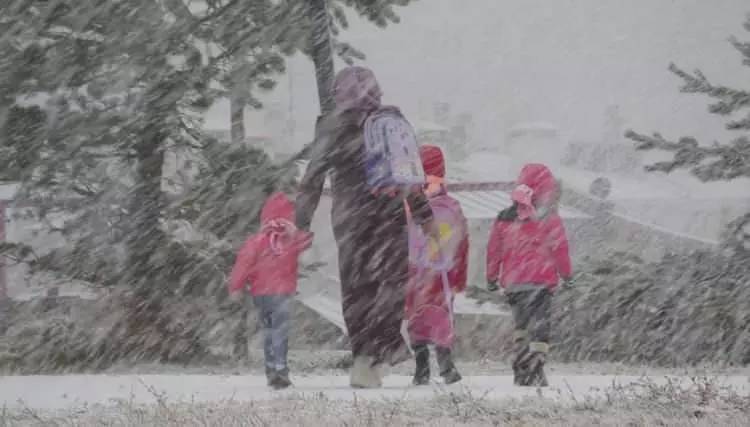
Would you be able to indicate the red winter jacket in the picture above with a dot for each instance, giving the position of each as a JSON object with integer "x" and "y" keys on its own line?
{"x": 267, "y": 263}
{"x": 535, "y": 251}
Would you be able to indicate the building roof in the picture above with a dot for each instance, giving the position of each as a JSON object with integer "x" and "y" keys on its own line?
{"x": 535, "y": 128}
{"x": 485, "y": 204}
{"x": 428, "y": 126}
{"x": 480, "y": 200}
{"x": 8, "y": 190}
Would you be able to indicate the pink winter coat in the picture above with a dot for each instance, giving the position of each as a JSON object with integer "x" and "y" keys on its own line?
{"x": 428, "y": 308}
{"x": 267, "y": 264}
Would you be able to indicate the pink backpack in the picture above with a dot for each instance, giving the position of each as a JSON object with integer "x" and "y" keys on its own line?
{"x": 432, "y": 257}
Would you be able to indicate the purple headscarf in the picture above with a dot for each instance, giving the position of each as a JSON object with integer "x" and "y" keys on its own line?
{"x": 355, "y": 88}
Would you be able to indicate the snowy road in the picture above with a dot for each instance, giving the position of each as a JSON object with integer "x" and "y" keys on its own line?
{"x": 74, "y": 391}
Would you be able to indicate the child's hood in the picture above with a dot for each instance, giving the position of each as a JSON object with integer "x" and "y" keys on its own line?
{"x": 277, "y": 207}
{"x": 544, "y": 187}
{"x": 277, "y": 222}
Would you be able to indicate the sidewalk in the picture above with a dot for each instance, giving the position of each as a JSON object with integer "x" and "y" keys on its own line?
{"x": 75, "y": 391}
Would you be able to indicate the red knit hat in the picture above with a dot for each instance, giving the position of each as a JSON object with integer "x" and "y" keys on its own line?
{"x": 433, "y": 161}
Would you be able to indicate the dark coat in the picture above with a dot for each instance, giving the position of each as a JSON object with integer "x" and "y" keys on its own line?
{"x": 370, "y": 232}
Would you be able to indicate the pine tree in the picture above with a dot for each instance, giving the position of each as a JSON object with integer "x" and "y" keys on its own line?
{"x": 92, "y": 94}
{"x": 714, "y": 162}
{"x": 247, "y": 31}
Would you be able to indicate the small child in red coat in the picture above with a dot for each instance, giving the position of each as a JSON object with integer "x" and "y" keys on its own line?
{"x": 528, "y": 253}
{"x": 438, "y": 271}
{"x": 267, "y": 267}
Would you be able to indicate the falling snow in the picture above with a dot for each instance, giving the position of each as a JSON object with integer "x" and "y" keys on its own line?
{"x": 184, "y": 182}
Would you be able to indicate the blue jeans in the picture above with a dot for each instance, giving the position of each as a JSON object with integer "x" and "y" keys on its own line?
{"x": 273, "y": 314}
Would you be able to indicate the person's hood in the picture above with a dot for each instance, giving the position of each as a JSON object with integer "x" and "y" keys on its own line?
{"x": 277, "y": 222}
{"x": 544, "y": 186}
{"x": 277, "y": 207}
{"x": 356, "y": 89}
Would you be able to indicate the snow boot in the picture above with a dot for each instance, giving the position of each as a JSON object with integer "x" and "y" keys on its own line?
{"x": 281, "y": 381}
{"x": 451, "y": 376}
{"x": 420, "y": 380}
{"x": 531, "y": 374}
{"x": 536, "y": 376}
{"x": 539, "y": 352}
{"x": 520, "y": 371}
{"x": 447, "y": 368}
{"x": 364, "y": 373}
{"x": 528, "y": 368}
{"x": 270, "y": 376}
{"x": 422, "y": 371}
{"x": 520, "y": 348}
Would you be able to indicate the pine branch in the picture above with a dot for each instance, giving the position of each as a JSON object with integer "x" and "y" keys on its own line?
{"x": 712, "y": 163}
{"x": 729, "y": 100}
{"x": 743, "y": 48}
{"x": 742, "y": 124}
{"x": 708, "y": 163}
{"x": 347, "y": 52}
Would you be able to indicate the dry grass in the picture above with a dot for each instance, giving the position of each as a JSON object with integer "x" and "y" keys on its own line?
{"x": 703, "y": 403}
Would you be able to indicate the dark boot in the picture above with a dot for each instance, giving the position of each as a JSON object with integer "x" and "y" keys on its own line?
{"x": 422, "y": 372}
{"x": 528, "y": 368}
{"x": 520, "y": 368}
{"x": 282, "y": 380}
{"x": 270, "y": 376}
{"x": 452, "y": 376}
{"x": 531, "y": 374}
{"x": 537, "y": 376}
{"x": 447, "y": 368}
{"x": 521, "y": 350}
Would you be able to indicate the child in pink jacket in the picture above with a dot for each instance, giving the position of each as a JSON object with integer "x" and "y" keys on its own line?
{"x": 528, "y": 255}
{"x": 267, "y": 267}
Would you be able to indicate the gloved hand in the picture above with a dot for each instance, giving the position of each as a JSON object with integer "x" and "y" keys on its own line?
{"x": 492, "y": 286}
{"x": 236, "y": 297}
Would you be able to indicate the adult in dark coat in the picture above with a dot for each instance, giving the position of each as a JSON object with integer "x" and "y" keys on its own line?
{"x": 370, "y": 229}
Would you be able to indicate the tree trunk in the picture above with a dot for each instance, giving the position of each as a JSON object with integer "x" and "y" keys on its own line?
{"x": 147, "y": 203}
{"x": 322, "y": 54}
{"x": 237, "y": 118}
{"x": 143, "y": 331}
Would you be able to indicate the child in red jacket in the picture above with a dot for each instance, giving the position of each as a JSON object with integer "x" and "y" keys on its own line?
{"x": 528, "y": 253}
{"x": 267, "y": 266}
{"x": 434, "y": 281}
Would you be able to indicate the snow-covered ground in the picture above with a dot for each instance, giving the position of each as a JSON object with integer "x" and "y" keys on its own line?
{"x": 67, "y": 392}
{"x": 236, "y": 395}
